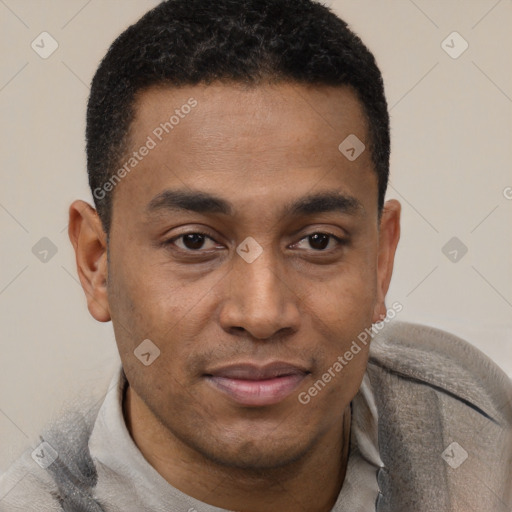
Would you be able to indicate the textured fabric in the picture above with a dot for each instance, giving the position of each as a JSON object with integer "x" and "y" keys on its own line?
{"x": 432, "y": 390}
{"x": 360, "y": 489}
{"x": 431, "y": 426}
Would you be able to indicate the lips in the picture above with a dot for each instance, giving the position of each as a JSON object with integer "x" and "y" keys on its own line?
{"x": 253, "y": 385}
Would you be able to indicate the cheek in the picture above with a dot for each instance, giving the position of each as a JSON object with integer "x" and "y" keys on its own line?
{"x": 340, "y": 310}
{"x": 153, "y": 304}
{"x": 346, "y": 297}
{"x": 144, "y": 294}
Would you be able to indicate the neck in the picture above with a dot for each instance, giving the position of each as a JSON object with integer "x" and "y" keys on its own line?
{"x": 311, "y": 483}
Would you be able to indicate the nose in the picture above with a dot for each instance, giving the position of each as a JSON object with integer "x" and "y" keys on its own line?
{"x": 259, "y": 299}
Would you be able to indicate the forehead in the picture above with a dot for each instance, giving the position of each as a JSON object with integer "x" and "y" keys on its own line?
{"x": 237, "y": 109}
{"x": 252, "y": 142}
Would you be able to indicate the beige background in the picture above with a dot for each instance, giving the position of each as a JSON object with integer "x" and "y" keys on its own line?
{"x": 451, "y": 166}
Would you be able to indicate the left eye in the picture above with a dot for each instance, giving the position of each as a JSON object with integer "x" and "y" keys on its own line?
{"x": 320, "y": 241}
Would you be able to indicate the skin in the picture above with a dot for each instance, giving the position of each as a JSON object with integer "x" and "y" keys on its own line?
{"x": 258, "y": 148}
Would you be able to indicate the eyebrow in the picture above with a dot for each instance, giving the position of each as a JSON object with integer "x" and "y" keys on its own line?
{"x": 179, "y": 200}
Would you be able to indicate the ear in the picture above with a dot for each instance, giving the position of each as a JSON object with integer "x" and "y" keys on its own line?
{"x": 389, "y": 234}
{"x": 90, "y": 243}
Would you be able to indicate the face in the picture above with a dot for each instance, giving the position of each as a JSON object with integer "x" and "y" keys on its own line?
{"x": 247, "y": 248}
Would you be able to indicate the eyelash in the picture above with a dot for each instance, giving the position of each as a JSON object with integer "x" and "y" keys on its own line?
{"x": 340, "y": 241}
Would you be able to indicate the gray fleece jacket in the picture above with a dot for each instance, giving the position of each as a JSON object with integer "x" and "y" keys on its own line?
{"x": 444, "y": 434}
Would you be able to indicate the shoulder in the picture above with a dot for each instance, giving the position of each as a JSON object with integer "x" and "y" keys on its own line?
{"x": 425, "y": 355}
{"x": 444, "y": 421}
{"x": 55, "y": 468}
{"x": 27, "y": 487}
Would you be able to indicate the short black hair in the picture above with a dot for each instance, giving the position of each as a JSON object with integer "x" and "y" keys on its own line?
{"x": 188, "y": 42}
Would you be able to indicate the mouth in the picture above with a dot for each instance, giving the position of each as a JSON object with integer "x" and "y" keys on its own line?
{"x": 256, "y": 386}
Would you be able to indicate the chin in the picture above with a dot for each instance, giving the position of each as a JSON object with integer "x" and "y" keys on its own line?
{"x": 252, "y": 454}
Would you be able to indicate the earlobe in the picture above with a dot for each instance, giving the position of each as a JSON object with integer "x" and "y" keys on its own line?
{"x": 89, "y": 241}
{"x": 389, "y": 235}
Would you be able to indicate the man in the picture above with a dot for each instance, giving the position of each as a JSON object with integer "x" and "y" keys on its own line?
{"x": 238, "y": 156}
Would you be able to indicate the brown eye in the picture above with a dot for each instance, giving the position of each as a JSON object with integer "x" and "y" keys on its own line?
{"x": 320, "y": 241}
{"x": 191, "y": 242}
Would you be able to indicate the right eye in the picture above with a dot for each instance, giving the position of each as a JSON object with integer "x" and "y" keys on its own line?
{"x": 190, "y": 242}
